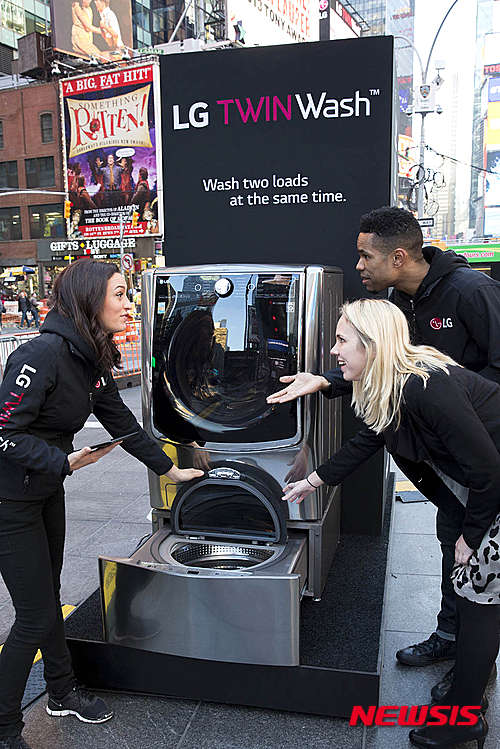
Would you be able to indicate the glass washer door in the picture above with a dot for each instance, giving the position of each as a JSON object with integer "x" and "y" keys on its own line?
{"x": 220, "y": 345}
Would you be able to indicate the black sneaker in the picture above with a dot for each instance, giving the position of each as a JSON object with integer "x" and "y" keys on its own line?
{"x": 15, "y": 742}
{"x": 86, "y": 706}
{"x": 430, "y": 651}
{"x": 440, "y": 690}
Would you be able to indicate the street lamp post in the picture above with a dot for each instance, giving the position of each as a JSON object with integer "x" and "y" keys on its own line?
{"x": 422, "y": 109}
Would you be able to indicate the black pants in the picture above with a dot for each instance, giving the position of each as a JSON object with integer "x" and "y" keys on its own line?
{"x": 31, "y": 556}
{"x": 477, "y": 648}
{"x": 448, "y": 532}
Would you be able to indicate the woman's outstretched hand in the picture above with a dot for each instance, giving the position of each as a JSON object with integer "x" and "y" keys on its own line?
{"x": 303, "y": 383}
{"x": 462, "y": 552}
{"x": 86, "y": 456}
{"x": 179, "y": 475}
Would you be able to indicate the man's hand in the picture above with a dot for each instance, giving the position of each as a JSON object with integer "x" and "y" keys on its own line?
{"x": 179, "y": 475}
{"x": 303, "y": 383}
{"x": 86, "y": 456}
{"x": 462, "y": 552}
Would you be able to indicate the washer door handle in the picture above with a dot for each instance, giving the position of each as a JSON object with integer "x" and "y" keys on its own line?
{"x": 224, "y": 473}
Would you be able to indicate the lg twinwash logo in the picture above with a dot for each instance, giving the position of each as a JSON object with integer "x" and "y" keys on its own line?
{"x": 273, "y": 109}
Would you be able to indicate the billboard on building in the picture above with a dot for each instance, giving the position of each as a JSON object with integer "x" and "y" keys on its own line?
{"x": 492, "y": 179}
{"x": 494, "y": 89}
{"x": 92, "y": 28}
{"x": 342, "y": 23}
{"x": 264, "y": 22}
{"x": 406, "y": 155}
{"x": 492, "y": 222}
{"x": 112, "y": 156}
{"x": 493, "y": 126}
{"x": 237, "y": 186}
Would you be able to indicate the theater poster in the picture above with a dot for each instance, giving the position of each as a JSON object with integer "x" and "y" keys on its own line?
{"x": 112, "y": 159}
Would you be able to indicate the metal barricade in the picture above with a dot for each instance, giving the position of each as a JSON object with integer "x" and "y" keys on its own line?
{"x": 8, "y": 344}
{"x": 129, "y": 345}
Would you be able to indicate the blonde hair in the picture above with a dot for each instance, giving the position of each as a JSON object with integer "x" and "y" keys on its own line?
{"x": 391, "y": 359}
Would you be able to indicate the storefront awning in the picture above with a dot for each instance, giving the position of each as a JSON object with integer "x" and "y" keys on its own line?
{"x": 19, "y": 270}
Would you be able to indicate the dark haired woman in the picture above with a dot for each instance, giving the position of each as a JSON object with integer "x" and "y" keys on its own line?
{"x": 51, "y": 385}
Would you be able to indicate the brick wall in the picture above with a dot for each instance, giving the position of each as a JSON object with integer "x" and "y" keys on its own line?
{"x": 20, "y": 110}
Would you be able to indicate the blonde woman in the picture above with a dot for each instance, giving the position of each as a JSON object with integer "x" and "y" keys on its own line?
{"x": 441, "y": 423}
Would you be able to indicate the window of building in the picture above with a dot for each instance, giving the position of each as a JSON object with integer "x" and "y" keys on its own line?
{"x": 1, "y": 133}
{"x": 46, "y": 221}
{"x": 40, "y": 172}
{"x": 10, "y": 224}
{"x": 46, "y": 127}
{"x": 8, "y": 174}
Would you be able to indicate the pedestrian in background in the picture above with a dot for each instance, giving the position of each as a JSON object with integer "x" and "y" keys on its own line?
{"x": 450, "y": 306}
{"x": 51, "y": 385}
{"x": 430, "y": 412}
{"x": 24, "y": 307}
{"x": 34, "y": 309}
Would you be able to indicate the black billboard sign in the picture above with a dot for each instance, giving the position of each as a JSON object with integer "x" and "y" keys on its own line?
{"x": 272, "y": 154}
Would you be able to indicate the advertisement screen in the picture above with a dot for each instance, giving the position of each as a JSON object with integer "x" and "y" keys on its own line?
{"x": 264, "y": 22}
{"x": 494, "y": 89}
{"x": 342, "y": 25}
{"x": 493, "y": 126}
{"x": 492, "y": 179}
{"x": 272, "y": 154}
{"x": 112, "y": 153}
{"x": 492, "y": 222}
{"x": 92, "y": 28}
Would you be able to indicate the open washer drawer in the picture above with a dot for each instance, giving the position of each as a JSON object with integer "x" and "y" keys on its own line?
{"x": 222, "y": 582}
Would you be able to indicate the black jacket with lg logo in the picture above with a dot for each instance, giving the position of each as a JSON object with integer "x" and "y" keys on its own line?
{"x": 50, "y": 387}
{"x": 457, "y": 310}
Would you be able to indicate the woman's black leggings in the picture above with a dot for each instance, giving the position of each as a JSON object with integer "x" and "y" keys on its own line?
{"x": 477, "y": 648}
{"x": 31, "y": 557}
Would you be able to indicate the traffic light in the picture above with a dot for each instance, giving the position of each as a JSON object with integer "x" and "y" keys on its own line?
{"x": 135, "y": 218}
{"x": 68, "y": 205}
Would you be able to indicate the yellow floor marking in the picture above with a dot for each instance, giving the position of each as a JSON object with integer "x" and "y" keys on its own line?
{"x": 66, "y": 611}
{"x": 405, "y": 486}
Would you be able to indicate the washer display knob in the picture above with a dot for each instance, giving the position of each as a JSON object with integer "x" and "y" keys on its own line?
{"x": 223, "y": 287}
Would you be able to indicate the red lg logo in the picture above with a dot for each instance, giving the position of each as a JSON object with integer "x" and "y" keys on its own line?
{"x": 436, "y": 323}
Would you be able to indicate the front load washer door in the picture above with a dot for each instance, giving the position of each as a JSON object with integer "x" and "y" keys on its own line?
{"x": 220, "y": 345}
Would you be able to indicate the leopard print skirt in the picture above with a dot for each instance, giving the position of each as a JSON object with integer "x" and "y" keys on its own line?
{"x": 479, "y": 581}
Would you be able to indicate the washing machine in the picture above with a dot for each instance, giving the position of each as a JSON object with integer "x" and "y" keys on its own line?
{"x": 223, "y": 573}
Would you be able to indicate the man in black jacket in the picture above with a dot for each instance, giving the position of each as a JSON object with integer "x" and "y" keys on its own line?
{"x": 24, "y": 306}
{"x": 450, "y": 306}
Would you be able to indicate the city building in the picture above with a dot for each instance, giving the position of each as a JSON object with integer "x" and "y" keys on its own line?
{"x": 30, "y": 159}
{"x": 485, "y": 157}
{"x": 396, "y": 18}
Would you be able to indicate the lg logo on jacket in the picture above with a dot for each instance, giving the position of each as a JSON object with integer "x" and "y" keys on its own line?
{"x": 436, "y": 323}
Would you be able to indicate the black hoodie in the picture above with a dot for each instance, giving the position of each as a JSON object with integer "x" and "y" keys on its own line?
{"x": 456, "y": 309}
{"x": 51, "y": 385}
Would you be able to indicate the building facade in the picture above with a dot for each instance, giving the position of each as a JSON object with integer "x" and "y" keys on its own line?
{"x": 30, "y": 159}
{"x": 485, "y": 157}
